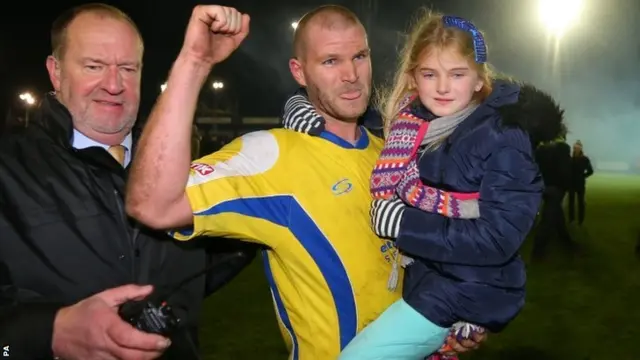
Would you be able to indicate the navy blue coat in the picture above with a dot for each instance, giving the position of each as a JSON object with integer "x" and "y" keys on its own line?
{"x": 469, "y": 269}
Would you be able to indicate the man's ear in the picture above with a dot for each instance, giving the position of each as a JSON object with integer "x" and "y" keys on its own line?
{"x": 53, "y": 68}
{"x": 295, "y": 66}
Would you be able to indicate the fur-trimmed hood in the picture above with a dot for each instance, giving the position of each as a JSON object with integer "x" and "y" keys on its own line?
{"x": 532, "y": 110}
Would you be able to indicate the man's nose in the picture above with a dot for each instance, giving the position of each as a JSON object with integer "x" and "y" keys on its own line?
{"x": 112, "y": 81}
{"x": 349, "y": 72}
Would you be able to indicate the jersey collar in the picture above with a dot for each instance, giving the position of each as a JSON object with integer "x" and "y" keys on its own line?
{"x": 361, "y": 143}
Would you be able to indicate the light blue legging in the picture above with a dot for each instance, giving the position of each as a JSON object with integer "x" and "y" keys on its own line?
{"x": 400, "y": 333}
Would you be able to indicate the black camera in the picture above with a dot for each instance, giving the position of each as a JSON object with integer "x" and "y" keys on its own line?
{"x": 147, "y": 316}
{"x": 154, "y": 315}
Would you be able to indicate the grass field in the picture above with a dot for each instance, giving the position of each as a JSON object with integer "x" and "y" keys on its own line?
{"x": 578, "y": 307}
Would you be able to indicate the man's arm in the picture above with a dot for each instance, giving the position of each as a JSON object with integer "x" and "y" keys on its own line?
{"x": 160, "y": 171}
{"x": 156, "y": 189}
{"x": 510, "y": 194}
{"x": 589, "y": 168}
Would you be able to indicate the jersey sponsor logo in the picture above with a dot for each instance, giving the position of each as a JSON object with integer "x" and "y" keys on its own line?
{"x": 202, "y": 169}
{"x": 387, "y": 250}
{"x": 342, "y": 187}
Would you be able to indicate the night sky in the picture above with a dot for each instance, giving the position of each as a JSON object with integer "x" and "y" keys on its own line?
{"x": 595, "y": 74}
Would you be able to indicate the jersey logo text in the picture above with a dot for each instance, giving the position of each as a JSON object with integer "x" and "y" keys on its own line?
{"x": 202, "y": 169}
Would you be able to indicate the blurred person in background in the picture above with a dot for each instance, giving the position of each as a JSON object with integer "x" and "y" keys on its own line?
{"x": 581, "y": 169}
{"x": 554, "y": 160}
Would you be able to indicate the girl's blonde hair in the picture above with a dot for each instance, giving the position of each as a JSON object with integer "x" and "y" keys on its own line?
{"x": 429, "y": 33}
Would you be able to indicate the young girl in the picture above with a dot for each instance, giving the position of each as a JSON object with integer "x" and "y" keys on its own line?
{"x": 457, "y": 187}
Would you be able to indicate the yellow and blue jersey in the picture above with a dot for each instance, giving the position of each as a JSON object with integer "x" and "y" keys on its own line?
{"x": 307, "y": 199}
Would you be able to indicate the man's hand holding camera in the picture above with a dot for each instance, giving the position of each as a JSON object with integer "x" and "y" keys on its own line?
{"x": 93, "y": 330}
